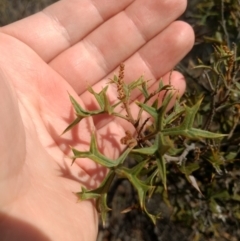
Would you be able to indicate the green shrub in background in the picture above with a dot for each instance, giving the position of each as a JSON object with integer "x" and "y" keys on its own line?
{"x": 216, "y": 216}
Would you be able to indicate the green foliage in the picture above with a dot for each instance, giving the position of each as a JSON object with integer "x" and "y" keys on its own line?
{"x": 220, "y": 111}
{"x": 214, "y": 78}
{"x": 221, "y": 17}
{"x": 171, "y": 138}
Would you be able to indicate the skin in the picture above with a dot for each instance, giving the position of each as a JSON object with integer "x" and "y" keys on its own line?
{"x": 64, "y": 49}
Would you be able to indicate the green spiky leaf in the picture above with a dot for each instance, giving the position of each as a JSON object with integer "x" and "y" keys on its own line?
{"x": 95, "y": 155}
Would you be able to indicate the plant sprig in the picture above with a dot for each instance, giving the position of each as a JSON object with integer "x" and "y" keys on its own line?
{"x": 154, "y": 146}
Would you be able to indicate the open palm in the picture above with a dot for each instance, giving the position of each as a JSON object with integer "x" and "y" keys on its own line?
{"x": 64, "y": 49}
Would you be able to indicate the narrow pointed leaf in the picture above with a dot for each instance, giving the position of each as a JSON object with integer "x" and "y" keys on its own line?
{"x": 155, "y": 104}
{"x": 78, "y": 109}
{"x": 150, "y": 110}
{"x": 148, "y": 150}
{"x": 162, "y": 111}
{"x": 144, "y": 90}
{"x": 161, "y": 163}
{"x": 96, "y": 193}
{"x": 189, "y": 168}
{"x": 177, "y": 111}
{"x": 75, "y": 122}
{"x": 80, "y": 112}
{"x": 190, "y": 115}
{"x": 186, "y": 127}
{"x": 192, "y": 133}
{"x": 100, "y": 97}
{"x": 103, "y": 208}
{"x": 194, "y": 183}
{"x": 87, "y": 194}
{"x": 140, "y": 186}
{"x": 164, "y": 144}
{"x": 99, "y": 158}
{"x": 136, "y": 83}
{"x": 131, "y": 175}
{"x": 108, "y": 108}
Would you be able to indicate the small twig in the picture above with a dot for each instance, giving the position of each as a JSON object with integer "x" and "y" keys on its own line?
{"x": 223, "y": 23}
{"x": 236, "y": 67}
{"x": 213, "y": 106}
{"x": 208, "y": 79}
{"x": 182, "y": 157}
{"x": 142, "y": 126}
{"x": 236, "y": 119}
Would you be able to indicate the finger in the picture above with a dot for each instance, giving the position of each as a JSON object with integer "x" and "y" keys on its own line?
{"x": 62, "y": 24}
{"x": 115, "y": 41}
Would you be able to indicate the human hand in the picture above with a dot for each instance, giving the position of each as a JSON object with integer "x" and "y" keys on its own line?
{"x": 65, "y": 48}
